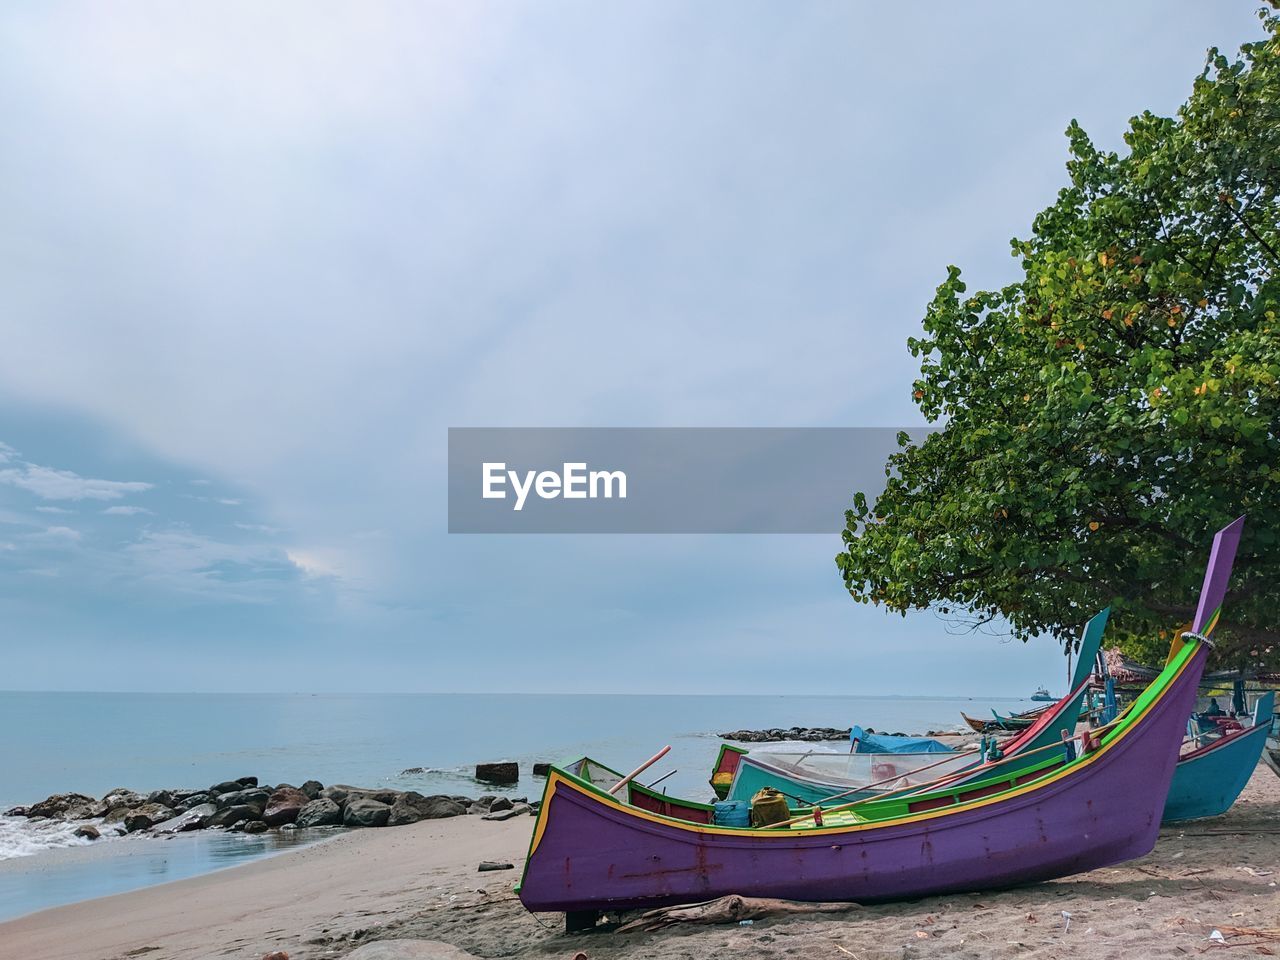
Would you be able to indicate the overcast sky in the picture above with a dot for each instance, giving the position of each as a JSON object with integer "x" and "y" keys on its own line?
{"x": 255, "y": 259}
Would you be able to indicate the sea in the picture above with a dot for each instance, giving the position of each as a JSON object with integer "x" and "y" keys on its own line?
{"x": 93, "y": 742}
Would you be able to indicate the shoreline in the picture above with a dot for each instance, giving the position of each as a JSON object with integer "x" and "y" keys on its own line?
{"x": 421, "y": 881}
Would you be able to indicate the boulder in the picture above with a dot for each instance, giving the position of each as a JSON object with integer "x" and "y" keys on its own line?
{"x": 283, "y": 806}
{"x": 163, "y": 797}
{"x": 190, "y": 801}
{"x": 500, "y": 803}
{"x": 226, "y": 786}
{"x": 58, "y": 805}
{"x": 248, "y": 781}
{"x": 312, "y": 789}
{"x": 192, "y": 819}
{"x": 146, "y": 816}
{"x": 517, "y": 810}
{"x": 508, "y": 771}
{"x": 485, "y": 800}
{"x": 542, "y": 769}
{"x": 230, "y": 815}
{"x": 366, "y": 812}
{"x": 321, "y": 812}
{"x": 18, "y": 812}
{"x": 117, "y": 799}
{"x": 88, "y": 832}
{"x": 409, "y": 950}
{"x": 343, "y": 793}
{"x": 256, "y": 826}
{"x": 254, "y": 797}
{"x": 410, "y": 807}
{"x": 487, "y": 866}
{"x": 337, "y": 794}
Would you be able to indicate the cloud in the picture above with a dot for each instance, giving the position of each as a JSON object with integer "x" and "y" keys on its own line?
{"x": 314, "y": 563}
{"x": 179, "y": 559}
{"x": 258, "y": 528}
{"x": 48, "y": 483}
{"x": 6, "y": 452}
{"x": 230, "y": 501}
{"x": 124, "y": 511}
{"x": 53, "y": 510}
{"x": 57, "y": 535}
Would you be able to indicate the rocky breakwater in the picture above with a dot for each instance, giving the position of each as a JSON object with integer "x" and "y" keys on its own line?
{"x": 778, "y": 735}
{"x": 245, "y": 805}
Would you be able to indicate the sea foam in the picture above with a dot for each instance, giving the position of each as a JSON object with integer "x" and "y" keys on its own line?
{"x": 20, "y": 837}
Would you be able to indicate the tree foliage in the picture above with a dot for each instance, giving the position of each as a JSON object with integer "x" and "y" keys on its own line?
{"x": 1101, "y": 417}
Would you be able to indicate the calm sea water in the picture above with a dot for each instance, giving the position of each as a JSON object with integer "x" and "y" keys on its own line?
{"x": 93, "y": 742}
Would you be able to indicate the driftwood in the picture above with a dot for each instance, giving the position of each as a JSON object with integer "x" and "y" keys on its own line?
{"x": 730, "y": 909}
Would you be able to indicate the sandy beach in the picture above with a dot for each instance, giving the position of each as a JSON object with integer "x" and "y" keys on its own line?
{"x": 421, "y": 882}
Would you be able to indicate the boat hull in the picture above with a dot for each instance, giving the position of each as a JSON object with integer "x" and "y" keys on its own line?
{"x": 590, "y": 852}
{"x": 1207, "y": 782}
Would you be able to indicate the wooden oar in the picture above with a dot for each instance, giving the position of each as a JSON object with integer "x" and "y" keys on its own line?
{"x": 640, "y": 769}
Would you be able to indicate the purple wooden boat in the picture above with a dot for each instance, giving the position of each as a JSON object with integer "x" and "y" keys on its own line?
{"x": 591, "y": 852}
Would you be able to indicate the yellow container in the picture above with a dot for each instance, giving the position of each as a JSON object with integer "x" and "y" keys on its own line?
{"x": 769, "y": 807}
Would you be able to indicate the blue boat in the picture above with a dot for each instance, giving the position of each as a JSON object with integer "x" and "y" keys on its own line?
{"x": 1207, "y": 780}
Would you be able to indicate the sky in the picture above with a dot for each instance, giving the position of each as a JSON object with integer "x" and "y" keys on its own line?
{"x": 255, "y": 260}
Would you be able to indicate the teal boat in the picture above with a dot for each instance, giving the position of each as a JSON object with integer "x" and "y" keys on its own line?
{"x": 1208, "y": 779}
{"x": 814, "y": 778}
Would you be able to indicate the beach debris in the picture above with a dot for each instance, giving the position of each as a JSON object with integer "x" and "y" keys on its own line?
{"x": 277, "y": 955}
{"x": 488, "y": 865}
{"x": 745, "y": 923}
{"x": 1255, "y": 873}
{"x": 409, "y": 950}
{"x": 505, "y": 772}
{"x": 730, "y": 909}
{"x": 518, "y": 810}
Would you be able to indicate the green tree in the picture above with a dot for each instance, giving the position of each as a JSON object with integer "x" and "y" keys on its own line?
{"x": 1101, "y": 417}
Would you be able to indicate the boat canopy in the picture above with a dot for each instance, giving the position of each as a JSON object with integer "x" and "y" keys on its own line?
{"x": 864, "y": 742}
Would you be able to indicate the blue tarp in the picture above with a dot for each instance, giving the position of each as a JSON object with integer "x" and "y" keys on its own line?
{"x": 864, "y": 742}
